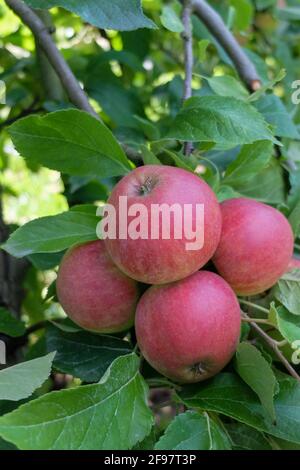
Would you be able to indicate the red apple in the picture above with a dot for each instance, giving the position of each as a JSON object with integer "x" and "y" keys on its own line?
{"x": 159, "y": 261}
{"x": 294, "y": 263}
{"x": 256, "y": 246}
{"x": 93, "y": 292}
{"x": 189, "y": 330}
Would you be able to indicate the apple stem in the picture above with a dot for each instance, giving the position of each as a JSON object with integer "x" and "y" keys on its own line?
{"x": 274, "y": 345}
{"x": 256, "y": 306}
{"x": 257, "y": 320}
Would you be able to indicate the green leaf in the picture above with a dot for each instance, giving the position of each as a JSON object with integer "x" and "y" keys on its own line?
{"x": 252, "y": 159}
{"x": 243, "y": 13}
{"x": 226, "y": 192}
{"x": 287, "y": 291}
{"x": 170, "y": 20}
{"x": 123, "y": 15}
{"x": 9, "y": 325}
{"x": 226, "y": 85}
{"x": 86, "y": 146}
{"x": 84, "y": 355}
{"x": 268, "y": 186}
{"x": 276, "y": 114}
{"x": 20, "y": 381}
{"x": 229, "y": 395}
{"x": 112, "y": 414}
{"x": 269, "y": 85}
{"x": 287, "y": 323}
{"x": 148, "y": 157}
{"x": 193, "y": 431}
{"x": 245, "y": 438}
{"x": 219, "y": 119}
{"x": 258, "y": 374}
{"x": 53, "y": 234}
{"x": 294, "y": 219}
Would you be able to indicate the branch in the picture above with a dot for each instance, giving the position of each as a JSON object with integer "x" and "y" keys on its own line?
{"x": 188, "y": 58}
{"x": 218, "y": 29}
{"x": 50, "y": 82}
{"x": 274, "y": 346}
{"x": 42, "y": 36}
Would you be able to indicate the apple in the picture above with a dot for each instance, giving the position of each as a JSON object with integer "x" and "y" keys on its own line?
{"x": 256, "y": 246}
{"x": 93, "y": 292}
{"x": 189, "y": 330}
{"x": 164, "y": 259}
{"x": 294, "y": 264}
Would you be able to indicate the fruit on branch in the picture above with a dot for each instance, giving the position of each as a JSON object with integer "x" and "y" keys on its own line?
{"x": 256, "y": 246}
{"x": 294, "y": 264}
{"x": 93, "y": 292}
{"x": 164, "y": 259}
{"x": 188, "y": 330}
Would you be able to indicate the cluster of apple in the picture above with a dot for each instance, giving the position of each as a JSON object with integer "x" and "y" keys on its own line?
{"x": 188, "y": 322}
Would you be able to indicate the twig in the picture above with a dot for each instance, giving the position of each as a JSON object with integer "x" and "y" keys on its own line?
{"x": 188, "y": 58}
{"x": 257, "y": 320}
{"x": 274, "y": 346}
{"x": 218, "y": 29}
{"x": 251, "y": 304}
{"x": 50, "y": 82}
{"x": 41, "y": 33}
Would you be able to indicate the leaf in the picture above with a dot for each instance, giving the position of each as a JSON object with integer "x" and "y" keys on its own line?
{"x": 45, "y": 261}
{"x": 276, "y": 114}
{"x": 226, "y": 192}
{"x": 229, "y": 395}
{"x": 258, "y": 374}
{"x": 226, "y": 85}
{"x": 148, "y": 157}
{"x": 9, "y": 325}
{"x": 219, "y": 119}
{"x": 123, "y": 15}
{"x": 53, "y": 234}
{"x": 170, "y": 20}
{"x": 287, "y": 291}
{"x": 252, "y": 159}
{"x": 193, "y": 431}
{"x": 246, "y": 438}
{"x": 269, "y": 85}
{"x": 294, "y": 219}
{"x": 287, "y": 323}
{"x": 20, "y": 381}
{"x": 84, "y": 355}
{"x": 86, "y": 146}
{"x": 243, "y": 13}
{"x": 112, "y": 414}
{"x": 268, "y": 186}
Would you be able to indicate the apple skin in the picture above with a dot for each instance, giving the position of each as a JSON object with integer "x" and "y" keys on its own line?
{"x": 256, "y": 246}
{"x": 189, "y": 330}
{"x": 93, "y": 292}
{"x": 161, "y": 261}
{"x": 294, "y": 264}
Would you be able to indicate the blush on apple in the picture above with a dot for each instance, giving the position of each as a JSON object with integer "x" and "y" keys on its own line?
{"x": 159, "y": 261}
{"x": 256, "y": 246}
{"x": 188, "y": 330}
{"x": 94, "y": 293}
